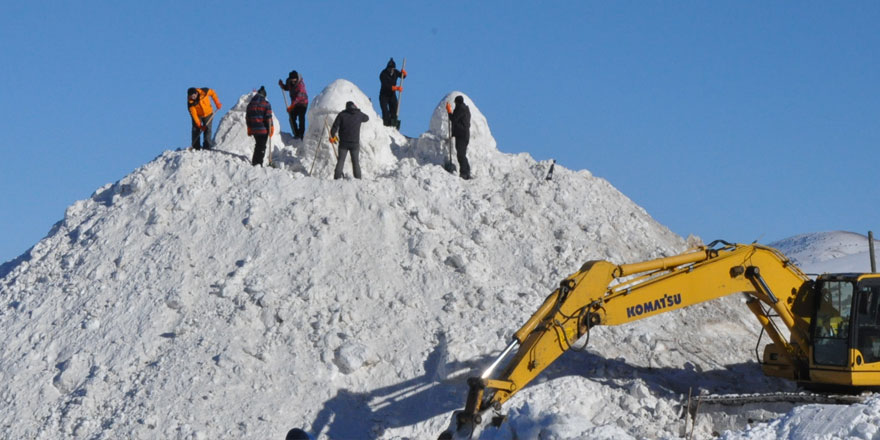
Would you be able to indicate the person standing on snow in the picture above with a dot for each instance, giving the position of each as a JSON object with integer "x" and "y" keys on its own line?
{"x": 259, "y": 124}
{"x": 461, "y": 131}
{"x": 387, "y": 99}
{"x": 299, "y": 102}
{"x": 199, "y": 104}
{"x": 348, "y": 125}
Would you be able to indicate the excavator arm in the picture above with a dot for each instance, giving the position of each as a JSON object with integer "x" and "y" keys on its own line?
{"x": 602, "y": 293}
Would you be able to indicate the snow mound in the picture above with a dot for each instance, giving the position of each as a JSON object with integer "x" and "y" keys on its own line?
{"x": 377, "y": 141}
{"x": 433, "y": 147}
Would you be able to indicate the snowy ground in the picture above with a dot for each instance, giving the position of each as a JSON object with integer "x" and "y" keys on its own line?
{"x": 200, "y": 297}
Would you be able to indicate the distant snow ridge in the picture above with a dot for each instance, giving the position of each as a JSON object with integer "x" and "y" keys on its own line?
{"x": 200, "y": 297}
{"x": 822, "y": 246}
{"x": 833, "y": 251}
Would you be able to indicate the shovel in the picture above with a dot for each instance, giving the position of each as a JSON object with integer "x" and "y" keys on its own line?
{"x": 448, "y": 165}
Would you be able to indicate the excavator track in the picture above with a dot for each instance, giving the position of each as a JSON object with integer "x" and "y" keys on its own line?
{"x": 788, "y": 397}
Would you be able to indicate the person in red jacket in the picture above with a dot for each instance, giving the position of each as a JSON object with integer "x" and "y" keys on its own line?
{"x": 258, "y": 117}
{"x": 199, "y": 104}
{"x": 299, "y": 102}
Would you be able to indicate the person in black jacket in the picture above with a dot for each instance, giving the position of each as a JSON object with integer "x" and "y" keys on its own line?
{"x": 461, "y": 131}
{"x": 348, "y": 125}
{"x": 387, "y": 99}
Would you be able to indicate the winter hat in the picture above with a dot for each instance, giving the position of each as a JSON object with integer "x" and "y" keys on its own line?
{"x": 190, "y": 91}
{"x": 262, "y": 91}
{"x": 297, "y": 434}
{"x": 293, "y": 74}
{"x": 459, "y": 99}
{"x": 350, "y": 105}
{"x": 391, "y": 63}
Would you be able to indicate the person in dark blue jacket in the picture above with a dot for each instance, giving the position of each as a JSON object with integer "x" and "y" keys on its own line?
{"x": 387, "y": 99}
{"x": 348, "y": 125}
{"x": 259, "y": 124}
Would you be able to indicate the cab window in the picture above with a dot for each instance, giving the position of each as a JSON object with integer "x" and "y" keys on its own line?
{"x": 868, "y": 320}
{"x": 831, "y": 326}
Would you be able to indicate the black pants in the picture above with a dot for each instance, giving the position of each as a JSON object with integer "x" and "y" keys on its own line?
{"x": 388, "y": 104}
{"x": 208, "y": 143}
{"x": 259, "y": 148}
{"x": 464, "y": 168}
{"x": 355, "y": 163}
{"x": 298, "y": 121}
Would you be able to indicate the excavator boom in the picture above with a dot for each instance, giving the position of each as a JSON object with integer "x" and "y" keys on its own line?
{"x": 602, "y": 293}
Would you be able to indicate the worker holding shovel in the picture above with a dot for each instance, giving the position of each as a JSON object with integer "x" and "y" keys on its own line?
{"x": 199, "y": 104}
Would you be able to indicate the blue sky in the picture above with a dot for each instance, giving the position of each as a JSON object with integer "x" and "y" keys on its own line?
{"x": 740, "y": 120}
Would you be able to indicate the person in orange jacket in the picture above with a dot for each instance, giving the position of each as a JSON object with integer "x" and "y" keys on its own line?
{"x": 199, "y": 104}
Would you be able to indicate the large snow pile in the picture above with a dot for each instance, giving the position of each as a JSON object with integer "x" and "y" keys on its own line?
{"x": 200, "y": 297}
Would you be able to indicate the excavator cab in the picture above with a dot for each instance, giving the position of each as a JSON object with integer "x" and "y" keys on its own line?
{"x": 846, "y": 330}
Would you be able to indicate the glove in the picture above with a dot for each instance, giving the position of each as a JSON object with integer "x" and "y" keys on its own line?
{"x": 272, "y": 131}
{"x": 280, "y": 83}
{"x": 290, "y": 108}
{"x": 397, "y": 88}
{"x": 448, "y": 108}
{"x": 403, "y": 73}
{"x": 219, "y": 106}
{"x": 333, "y": 139}
{"x": 250, "y": 133}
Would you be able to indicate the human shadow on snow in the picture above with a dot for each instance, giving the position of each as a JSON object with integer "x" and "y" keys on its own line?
{"x": 368, "y": 414}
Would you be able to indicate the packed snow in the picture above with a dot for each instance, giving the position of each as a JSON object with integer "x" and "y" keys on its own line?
{"x": 200, "y": 297}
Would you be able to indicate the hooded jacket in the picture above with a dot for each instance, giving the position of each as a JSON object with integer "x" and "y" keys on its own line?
{"x": 388, "y": 77}
{"x": 348, "y": 125}
{"x": 297, "y": 90}
{"x": 201, "y": 106}
{"x": 461, "y": 119}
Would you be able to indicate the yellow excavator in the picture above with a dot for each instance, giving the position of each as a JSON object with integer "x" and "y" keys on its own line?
{"x": 832, "y": 323}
